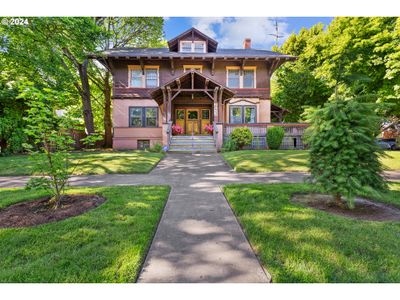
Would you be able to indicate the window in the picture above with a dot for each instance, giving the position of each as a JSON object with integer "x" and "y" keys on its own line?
{"x": 242, "y": 114}
{"x": 186, "y": 46}
{"x": 147, "y": 80}
{"x": 189, "y": 46}
{"x": 238, "y": 79}
{"x": 198, "y": 68}
{"x": 205, "y": 114}
{"x": 248, "y": 78}
{"x": 143, "y": 144}
{"x": 151, "y": 77}
{"x": 199, "y": 47}
{"x": 143, "y": 116}
{"x": 233, "y": 78}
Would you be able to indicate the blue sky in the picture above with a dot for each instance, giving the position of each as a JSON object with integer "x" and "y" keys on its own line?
{"x": 231, "y": 31}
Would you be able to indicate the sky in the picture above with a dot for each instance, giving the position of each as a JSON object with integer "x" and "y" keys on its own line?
{"x": 231, "y": 31}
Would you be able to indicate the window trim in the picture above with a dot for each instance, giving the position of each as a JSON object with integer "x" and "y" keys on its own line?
{"x": 138, "y": 67}
{"x": 143, "y": 108}
{"x": 242, "y": 108}
{"x": 192, "y": 48}
{"x": 241, "y": 76}
{"x": 188, "y": 67}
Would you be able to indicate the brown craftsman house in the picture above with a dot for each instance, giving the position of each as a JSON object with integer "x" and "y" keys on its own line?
{"x": 191, "y": 84}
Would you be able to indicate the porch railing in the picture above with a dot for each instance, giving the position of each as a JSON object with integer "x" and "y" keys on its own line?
{"x": 293, "y": 138}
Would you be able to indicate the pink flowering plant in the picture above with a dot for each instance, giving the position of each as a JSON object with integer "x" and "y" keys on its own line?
{"x": 209, "y": 128}
{"x": 176, "y": 129}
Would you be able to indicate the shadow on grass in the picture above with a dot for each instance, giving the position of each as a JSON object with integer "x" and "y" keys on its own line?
{"x": 299, "y": 244}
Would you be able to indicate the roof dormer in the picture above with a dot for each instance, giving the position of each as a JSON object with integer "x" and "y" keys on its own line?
{"x": 192, "y": 41}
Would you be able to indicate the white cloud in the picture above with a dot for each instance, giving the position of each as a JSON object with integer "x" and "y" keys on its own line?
{"x": 230, "y": 32}
{"x": 205, "y": 25}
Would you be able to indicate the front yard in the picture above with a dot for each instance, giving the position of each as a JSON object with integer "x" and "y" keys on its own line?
{"x": 106, "y": 244}
{"x": 89, "y": 162}
{"x": 300, "y": 244}
{"x": 286, "y": 160}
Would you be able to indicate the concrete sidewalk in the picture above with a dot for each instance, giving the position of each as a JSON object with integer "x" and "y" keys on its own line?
{"x": 198, "y": 238}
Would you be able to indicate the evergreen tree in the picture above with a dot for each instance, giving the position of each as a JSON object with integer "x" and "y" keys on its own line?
{"x": 344, "y": 156}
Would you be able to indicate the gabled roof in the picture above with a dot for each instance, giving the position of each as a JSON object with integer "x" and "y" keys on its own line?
{"x": 192, "y": 82}
{"x": 191, "y": 33}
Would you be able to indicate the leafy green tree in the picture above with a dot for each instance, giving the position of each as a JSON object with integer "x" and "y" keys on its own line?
{"x": 52, "y": 140}
{"x": 121, "y": 32}
{"x": 344, "y": 157}
{"x": 355, "y": 56}
{"x": 52, "y": 52}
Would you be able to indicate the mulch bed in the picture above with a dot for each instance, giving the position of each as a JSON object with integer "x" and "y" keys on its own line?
{"x": 364, "y": 209}
{"x": 39, "y": 211}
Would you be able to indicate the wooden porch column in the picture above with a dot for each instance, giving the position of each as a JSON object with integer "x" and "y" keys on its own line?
{"x": 169, "y": 104}
{"x": 164, "y": 105}
{"x": 220, "y": 114}
{"x": 216, "y": 114}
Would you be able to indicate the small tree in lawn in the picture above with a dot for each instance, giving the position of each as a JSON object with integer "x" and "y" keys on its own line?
{"x": 52, "y": 142}
{"x": 344, "y": 156}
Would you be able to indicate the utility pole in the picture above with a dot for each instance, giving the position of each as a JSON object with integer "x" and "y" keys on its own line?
{"x": 276, "y": 34}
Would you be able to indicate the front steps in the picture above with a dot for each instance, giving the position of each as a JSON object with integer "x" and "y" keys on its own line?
{"x": 189, "y": 144}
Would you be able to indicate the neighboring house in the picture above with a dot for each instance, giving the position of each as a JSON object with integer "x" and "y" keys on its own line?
{"x": 192, "y": 83}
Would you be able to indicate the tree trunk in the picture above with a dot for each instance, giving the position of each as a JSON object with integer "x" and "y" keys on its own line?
{"x": 339, "y": 200}
{"x": 107, "y": 111}
{"x": 85, "y": 95}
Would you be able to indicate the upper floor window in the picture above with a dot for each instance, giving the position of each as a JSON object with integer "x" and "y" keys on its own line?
{"x": 198, "y": 68}
{"x": 237, "y": 79}
{"x": 147, "y": 79}
{"x": 196, "y": 46}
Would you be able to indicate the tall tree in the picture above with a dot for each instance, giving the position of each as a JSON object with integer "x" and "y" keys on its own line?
{"x": 122, "y": 32}
{"x": 53, "y": 52}
{"x": 357, "y": 57}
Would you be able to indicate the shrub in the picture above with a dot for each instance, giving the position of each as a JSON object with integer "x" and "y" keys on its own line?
{"x": 209, "y": 128}
{"x": 241, "y": 136}
{"x": 229, "y": 145}
{"x": 344, "y": 157}
{"x": 158, "y": 148}
{"x": 274, "y": 137}
{"x": 176, "y": 129}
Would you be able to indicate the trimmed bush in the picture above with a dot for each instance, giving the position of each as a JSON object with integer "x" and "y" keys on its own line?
{"x": 274, "y": 137}
{"x": 229, "y": 145}
{"x": 241, "y": 136}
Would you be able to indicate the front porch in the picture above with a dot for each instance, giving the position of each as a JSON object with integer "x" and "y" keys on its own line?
{"x": 192, "y": 101}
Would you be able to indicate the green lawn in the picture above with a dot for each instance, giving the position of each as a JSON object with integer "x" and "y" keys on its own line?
{"x": 96, "y": 162}
{"x": 300, "y": 244}
{"x": 285, "y": 160}
{"x": 106, "y": 244}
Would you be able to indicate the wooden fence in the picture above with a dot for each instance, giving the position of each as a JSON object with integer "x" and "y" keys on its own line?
{"x": 293, "y": 138}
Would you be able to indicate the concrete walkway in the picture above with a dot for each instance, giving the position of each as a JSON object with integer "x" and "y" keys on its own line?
{"x": 198, "y": 238}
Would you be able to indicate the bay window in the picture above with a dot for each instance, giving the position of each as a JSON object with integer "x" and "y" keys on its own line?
{"x": 242, "y": 114}
{"x": 143, "y": 116}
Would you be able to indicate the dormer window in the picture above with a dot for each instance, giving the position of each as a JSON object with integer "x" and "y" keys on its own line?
{"x": 196, "y": 46}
